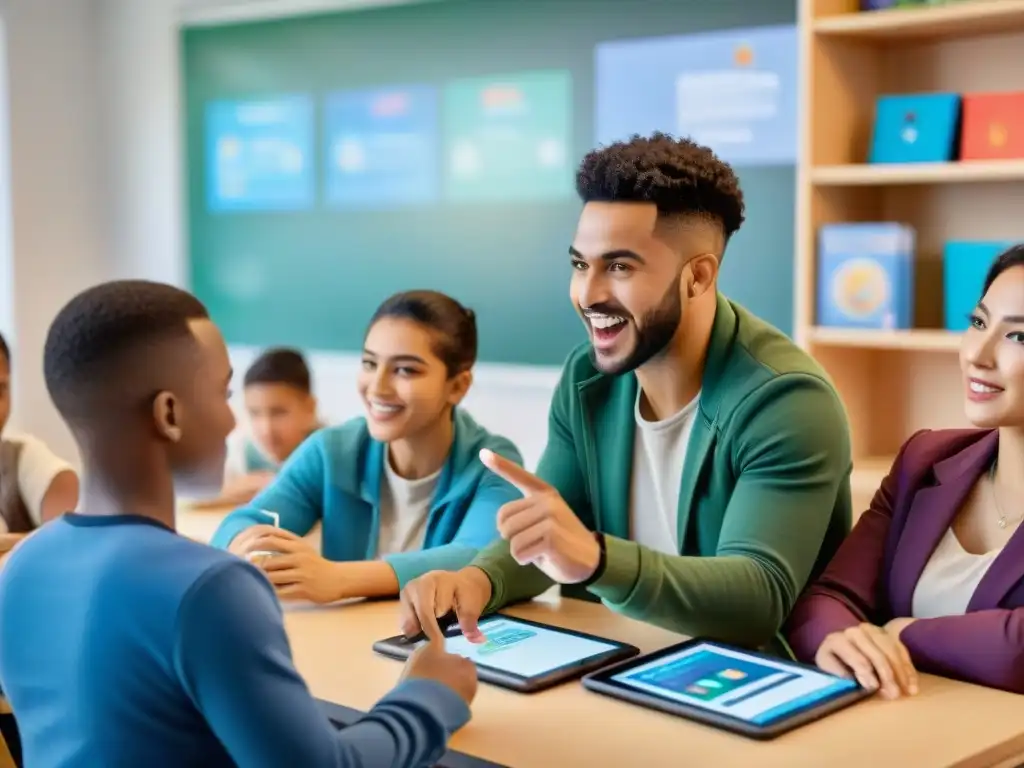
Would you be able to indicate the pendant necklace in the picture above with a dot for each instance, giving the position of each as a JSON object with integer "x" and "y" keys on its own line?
{"x": 1002, "y": 522}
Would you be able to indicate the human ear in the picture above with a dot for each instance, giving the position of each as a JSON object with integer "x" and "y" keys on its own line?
{"x": 166, "y": 415}
{"x": 458, "y": 386}
{"x": 702, "y": 273}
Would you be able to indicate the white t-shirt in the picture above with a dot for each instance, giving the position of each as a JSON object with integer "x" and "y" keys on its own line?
{"x": 37, "y": 467}
{"x": 404, "y": 509}
{"x": 949, "y": 579}
{"x": 659, "y": 452}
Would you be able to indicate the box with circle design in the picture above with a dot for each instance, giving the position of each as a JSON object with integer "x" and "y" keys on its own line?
{"x": 993, "y": 127}
{"x": 866, "y": 275}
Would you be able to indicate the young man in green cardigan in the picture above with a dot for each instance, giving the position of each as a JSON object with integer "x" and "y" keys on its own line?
{"x": 697, "y": 467}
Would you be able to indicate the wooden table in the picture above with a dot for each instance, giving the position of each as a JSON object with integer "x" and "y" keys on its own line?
{"x": 947, "y": 724}
{"x": 201, "y": 524}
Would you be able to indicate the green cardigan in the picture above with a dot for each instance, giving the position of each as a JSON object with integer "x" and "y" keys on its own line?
{"x": 765, "y": 495}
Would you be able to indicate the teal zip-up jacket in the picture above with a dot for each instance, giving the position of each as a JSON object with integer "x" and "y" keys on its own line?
{"x": 764, "y": 499}
{"x": 335, "y": 477}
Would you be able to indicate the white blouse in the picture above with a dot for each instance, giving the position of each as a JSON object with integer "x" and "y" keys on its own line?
{"x": 949, "y": 579}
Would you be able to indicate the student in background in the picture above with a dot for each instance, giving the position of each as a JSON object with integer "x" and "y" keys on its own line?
{"x": 124, "y": 644}
{"x": 35, "y": 485}
{"x": 281, "y": 412}
{"x": 696, "y": 473}
{"x": 932, "y": 576}
{"x": 399, "y": 492}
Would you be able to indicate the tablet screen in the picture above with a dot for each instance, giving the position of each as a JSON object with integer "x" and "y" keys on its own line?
{"x": 526, "y": 650}
{"x": 754, "y": 689}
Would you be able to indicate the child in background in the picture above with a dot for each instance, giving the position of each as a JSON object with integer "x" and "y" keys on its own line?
{"x": 35, "y": 485}
{"x": 282, "y": 412}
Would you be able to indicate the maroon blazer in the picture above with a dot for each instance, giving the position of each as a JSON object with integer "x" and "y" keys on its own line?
{"x": 873, "y": 575}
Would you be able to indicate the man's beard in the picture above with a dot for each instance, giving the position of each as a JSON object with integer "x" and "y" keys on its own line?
{"x": 655, "y": 333}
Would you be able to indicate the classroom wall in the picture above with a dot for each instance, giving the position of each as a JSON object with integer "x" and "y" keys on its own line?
{"x": 96, "y": 192}
{"x": 58, "y": 185}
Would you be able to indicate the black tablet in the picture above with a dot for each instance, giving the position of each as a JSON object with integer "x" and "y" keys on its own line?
{"x": 749, "y": 693}
{"x": 523, "y": 655}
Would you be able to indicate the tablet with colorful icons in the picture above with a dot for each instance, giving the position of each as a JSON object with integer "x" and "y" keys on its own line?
{"x": 523, "y": 655}
{"x": 750, "y": 693}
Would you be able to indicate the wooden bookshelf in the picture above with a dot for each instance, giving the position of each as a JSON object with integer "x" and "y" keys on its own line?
{"x": 896, "y": 382}
{"x": 956, "y": 20}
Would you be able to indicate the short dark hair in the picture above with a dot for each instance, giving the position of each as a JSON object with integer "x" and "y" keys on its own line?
{"x": 99, "y": 342}
{"x": 678, "y": 175}
{"x": 1011, "y": 257}
{"x": 5, "y": 350}
{"x": 454, "y": 324}
{"x": 280, "y": 365}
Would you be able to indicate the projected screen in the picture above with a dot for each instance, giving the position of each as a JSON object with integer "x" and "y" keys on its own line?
{"x": 382, "y": 147}
{"x": 260, "y": 154}
{"x": 735, "y": 92}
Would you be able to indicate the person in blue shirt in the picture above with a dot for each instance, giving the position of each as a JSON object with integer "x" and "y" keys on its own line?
{"x": 125, "y": 644}
{"x": 400, "y": 492}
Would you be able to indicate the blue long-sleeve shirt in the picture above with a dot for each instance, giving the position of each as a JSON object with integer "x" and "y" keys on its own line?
{"x": 124, "y": 644}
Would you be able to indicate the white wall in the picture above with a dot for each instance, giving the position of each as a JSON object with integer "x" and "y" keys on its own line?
{"x": 96, "y": 138}
{"x": 58, "y": 184}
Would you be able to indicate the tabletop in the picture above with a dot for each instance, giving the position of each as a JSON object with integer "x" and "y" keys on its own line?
{"x": 947, "y": 724}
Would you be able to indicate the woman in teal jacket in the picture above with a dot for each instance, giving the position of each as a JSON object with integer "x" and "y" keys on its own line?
{"x": 399, "y": 492}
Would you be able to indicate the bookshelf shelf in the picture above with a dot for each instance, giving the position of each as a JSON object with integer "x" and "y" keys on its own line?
{"x": 866, "y": 175}
{"x": 894, "y": 383}
{"x": 966, "y": 18}
{"x": 912, "y": 341}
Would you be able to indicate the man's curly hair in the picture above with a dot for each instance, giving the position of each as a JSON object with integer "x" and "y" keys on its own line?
{"x": 678, "y": 175}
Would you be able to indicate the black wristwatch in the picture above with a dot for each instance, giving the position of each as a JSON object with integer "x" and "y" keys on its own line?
{"x": 602, "y": 561}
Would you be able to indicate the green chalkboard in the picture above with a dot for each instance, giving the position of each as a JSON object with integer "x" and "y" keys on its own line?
{"x": 310, "y": 274}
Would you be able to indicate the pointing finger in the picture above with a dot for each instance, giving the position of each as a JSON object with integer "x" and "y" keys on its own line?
{"x": 511, "y": 472}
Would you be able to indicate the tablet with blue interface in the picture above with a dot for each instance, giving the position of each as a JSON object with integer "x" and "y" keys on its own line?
{"x": 749, "y": 693}
{"x": 522, "y": 655}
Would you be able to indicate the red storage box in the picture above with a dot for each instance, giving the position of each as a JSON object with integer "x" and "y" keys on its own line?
{"x": 993, "y": 126}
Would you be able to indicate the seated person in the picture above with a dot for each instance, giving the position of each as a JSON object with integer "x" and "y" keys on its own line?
{"x": 35, "y": 485}
{"x": 399, "y": 492}
{"x": 932, "y": 576}
{"x": 281, "y": 412}
{"x": 125, "y": 644}
{"x": 697, "y": 468}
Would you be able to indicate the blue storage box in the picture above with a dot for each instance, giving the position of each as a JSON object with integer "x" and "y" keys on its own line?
{"x": 922, "y": 128}
{"x": 866, "y": 276}
{"x": 964, "y": 266}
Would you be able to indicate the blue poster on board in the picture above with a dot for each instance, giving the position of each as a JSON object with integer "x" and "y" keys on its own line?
{"x": 734, "y": 91}
{"x": 382, "y": 147}
{"x": 260, "y": 154}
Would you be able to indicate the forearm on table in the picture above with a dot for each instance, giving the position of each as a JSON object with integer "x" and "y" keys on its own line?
{"x": 730, "y": 598}
{"x": 370, "y": 578}
{"x": 985, "y": 647}
{"x": 820, "y": 612}
{"x": 510, "y": 581}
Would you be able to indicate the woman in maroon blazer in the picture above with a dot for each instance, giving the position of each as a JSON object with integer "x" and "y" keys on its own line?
{"x": 932, "y": 576}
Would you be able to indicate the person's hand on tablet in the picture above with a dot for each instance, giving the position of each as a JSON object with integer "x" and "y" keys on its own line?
{"x": 437, "y": 593}
{"x": 541, "y": 529}
{"x": 432, "y": 662}
{"x": 874, "y": 657}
